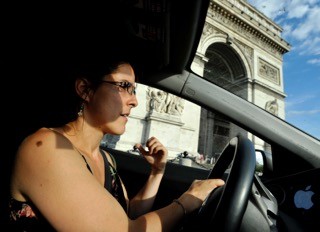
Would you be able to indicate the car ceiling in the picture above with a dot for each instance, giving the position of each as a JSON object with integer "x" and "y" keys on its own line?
{"x": 56, "y": 36}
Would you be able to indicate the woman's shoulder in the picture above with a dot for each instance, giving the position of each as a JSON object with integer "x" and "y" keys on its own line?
{"x": 42, "y": 144}
{"x": 39, "y": 156}
{"x": 45, "y": 133}
{"x": 44, "y": 138}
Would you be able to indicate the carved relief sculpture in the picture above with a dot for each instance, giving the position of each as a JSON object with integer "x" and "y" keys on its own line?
{"x": 269, "y": 72}
{"x": 163, "y": 102}
{"x": 272, "y": 107}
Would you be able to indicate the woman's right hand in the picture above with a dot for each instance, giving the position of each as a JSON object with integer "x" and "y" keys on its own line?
{"x": 198, "y": 191}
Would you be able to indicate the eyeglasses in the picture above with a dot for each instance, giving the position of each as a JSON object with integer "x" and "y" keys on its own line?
{"x": 131, "y": 88}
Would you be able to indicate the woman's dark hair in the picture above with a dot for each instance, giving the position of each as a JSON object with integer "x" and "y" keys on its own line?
{"x": 95, "y": 71}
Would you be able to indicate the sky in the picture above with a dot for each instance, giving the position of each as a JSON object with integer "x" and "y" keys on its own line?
{"x": 300, "y": 21}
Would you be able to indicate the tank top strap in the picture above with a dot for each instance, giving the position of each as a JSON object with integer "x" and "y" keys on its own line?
{"x": 54, "y": 130}
{"x": 113, "y": 181}
{"x": 107, "y": 172}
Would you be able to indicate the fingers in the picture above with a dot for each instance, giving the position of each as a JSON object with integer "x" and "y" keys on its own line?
{"x": 140, "y": 148}
{"x": 153, "y": 145}
{"x": 206, "y": 186}
{"x": 218, "y": 182}
{"x": 215, "y": 182}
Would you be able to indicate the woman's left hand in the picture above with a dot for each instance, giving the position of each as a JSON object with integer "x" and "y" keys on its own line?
{"x": 156, "y": 154}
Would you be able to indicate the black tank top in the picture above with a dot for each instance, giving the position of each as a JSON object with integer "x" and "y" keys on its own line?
{"x": 112, "y": 181}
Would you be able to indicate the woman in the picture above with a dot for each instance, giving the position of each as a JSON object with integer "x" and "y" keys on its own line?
{"x": 60, "y": 174}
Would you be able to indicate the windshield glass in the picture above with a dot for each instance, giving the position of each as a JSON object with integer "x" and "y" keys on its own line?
{"x": 266, "y": 52}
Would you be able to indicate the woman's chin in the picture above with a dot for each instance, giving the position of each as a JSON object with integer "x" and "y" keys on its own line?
{"x": 119, "y": 132}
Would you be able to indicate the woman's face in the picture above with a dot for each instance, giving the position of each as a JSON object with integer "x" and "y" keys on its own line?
{"x": 111, "y": 104}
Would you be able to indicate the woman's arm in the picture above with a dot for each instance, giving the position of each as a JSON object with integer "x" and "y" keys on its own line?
{"x": 169, "y": 217}
{"x": 156, "y": 155}
{"x": 143, "y": 201}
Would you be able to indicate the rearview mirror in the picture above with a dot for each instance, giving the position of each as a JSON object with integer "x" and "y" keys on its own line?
{"x": 263, "y": 162}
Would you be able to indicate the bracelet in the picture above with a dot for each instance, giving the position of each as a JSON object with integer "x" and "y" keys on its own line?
{"x": 183, "y": 208}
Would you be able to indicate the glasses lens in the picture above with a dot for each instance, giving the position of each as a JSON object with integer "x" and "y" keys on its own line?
{"x": 131, "y": 89}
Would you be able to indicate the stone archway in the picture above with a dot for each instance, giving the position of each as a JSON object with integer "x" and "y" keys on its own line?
{"x": 225, "y": 68}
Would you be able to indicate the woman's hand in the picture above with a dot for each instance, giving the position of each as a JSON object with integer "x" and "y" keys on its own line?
{"x": 198, "y": 192}
{"x": 156, "y": 155}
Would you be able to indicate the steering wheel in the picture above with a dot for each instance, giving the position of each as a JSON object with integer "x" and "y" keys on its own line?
{"x": 225, "y": 206}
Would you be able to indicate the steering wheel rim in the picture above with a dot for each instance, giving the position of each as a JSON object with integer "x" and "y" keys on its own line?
{"x": 225, "y": 206}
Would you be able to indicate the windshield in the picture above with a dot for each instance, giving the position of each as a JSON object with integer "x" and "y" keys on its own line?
{"x": 266, "y": 52}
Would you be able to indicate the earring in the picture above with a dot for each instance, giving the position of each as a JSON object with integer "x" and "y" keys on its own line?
{"x": 80, "y": 113}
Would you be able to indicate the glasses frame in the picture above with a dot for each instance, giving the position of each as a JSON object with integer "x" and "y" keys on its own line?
{"x": 126, "y": 85}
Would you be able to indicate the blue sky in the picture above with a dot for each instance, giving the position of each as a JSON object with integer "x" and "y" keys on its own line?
{"x": 300, "y": 21}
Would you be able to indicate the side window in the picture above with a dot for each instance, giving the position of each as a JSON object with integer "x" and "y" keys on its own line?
{"x": 193, "y": 136}
{"x": 259, "y": 163}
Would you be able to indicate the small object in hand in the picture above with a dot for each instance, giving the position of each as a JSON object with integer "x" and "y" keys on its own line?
{"x": 185, "y": 154}
{"x": 135, "y": 149}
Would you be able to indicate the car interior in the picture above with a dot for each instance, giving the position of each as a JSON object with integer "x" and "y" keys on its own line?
{"x": 39, "y": 47}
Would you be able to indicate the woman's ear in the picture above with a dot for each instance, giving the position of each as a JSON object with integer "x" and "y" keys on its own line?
{"x": 82, "y": 88}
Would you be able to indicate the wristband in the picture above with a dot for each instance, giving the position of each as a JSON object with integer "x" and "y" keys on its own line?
{"x": 183, "y": 208}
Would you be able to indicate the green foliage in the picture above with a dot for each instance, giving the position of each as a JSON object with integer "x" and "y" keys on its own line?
{"x": 259, "y": 167}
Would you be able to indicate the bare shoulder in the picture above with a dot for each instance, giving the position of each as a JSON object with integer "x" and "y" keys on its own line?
{"x": 42, "y": 154}
{"x": 44, "y": 138}
{"x": 44, "y": 145}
